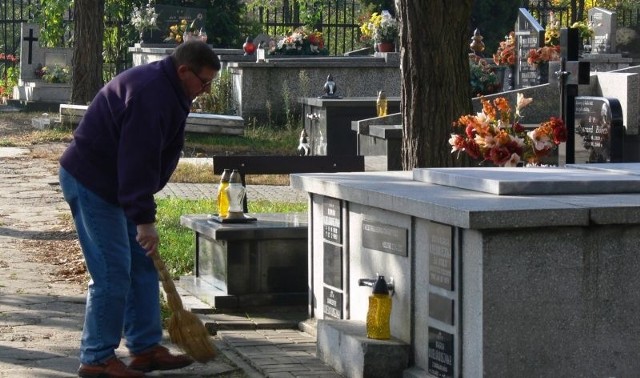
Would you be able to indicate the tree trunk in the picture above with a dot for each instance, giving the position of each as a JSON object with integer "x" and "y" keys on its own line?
{"x": 434, "y": 64}
{"x": 87, "y": 50}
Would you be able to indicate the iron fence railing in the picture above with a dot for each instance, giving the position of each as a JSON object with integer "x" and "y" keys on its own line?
{"x": 338, "y": 23}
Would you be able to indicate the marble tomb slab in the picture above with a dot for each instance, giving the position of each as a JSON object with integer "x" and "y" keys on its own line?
{"x": 579, "y": 179}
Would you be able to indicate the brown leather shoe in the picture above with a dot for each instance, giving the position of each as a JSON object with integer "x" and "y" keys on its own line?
{"x": 158, "y": 358}
{"x": 112, "y": 368}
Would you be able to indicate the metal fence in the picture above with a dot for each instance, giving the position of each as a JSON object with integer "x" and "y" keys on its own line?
{"x": 338, "y": 23}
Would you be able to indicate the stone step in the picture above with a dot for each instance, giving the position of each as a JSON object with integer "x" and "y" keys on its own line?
{"x": 343, "y": 345}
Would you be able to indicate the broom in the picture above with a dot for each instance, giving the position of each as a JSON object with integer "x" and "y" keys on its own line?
{"x": 185, "y": 328}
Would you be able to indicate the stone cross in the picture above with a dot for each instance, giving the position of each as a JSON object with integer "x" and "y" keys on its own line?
{"x": 572, "y": 73}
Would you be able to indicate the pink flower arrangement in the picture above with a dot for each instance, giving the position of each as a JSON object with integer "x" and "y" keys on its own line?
{"x": 496, "y": 135}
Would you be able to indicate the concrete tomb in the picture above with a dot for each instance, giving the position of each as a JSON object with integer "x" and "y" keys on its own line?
{"x": 497, "y": 272}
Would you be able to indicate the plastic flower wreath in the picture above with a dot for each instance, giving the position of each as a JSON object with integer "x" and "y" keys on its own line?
{"x": 497, "y": 136}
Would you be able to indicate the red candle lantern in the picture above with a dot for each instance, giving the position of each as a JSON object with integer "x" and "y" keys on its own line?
{"x": 249, "y": 47}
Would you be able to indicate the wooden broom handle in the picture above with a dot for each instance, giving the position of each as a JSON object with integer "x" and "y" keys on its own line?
{"x": 173, "y": 298}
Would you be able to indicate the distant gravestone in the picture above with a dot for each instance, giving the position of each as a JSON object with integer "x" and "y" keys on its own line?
{"x": 529, "y": 35}
{"x": 169, "y": 15}
{"x": 600, "y": 127}
{"x": 604, "y": 31}
{"x": 34, "y": 56}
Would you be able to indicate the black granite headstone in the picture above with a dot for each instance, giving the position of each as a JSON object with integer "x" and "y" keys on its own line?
{"x": 604, "y": 25}
{"x": 169, "y": 15}
{"x": 529, "y": 35}
{"x": 600, "y": 130}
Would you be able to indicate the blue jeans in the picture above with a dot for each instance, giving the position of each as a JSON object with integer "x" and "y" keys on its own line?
{"x": 123, "y": 293}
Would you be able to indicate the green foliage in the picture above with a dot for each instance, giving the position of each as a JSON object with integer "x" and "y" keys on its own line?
{"x": 219, "y": 99}
{"x": 482, "y": 78}
{"x": 379, "y": 5}
{"x": 53, "y": 28}
{"x": 177, "y": 244}
{"x": 9, "y": 81}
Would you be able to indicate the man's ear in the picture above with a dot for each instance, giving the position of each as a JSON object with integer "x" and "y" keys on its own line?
{"x": 183, "y": 69}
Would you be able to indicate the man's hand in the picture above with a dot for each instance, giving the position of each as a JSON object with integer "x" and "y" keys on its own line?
{"x": 148, "y": 237}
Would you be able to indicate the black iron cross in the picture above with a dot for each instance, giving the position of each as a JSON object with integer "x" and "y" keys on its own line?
{"x": 30, "y": 39}
{"x": 572, "y": 72}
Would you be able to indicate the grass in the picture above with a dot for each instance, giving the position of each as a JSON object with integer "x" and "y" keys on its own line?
{"x": 178, "y": 243}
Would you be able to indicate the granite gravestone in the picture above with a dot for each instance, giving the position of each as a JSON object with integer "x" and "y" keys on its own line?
{"x": 604, "y": 25}
{"x": 599, "y": 130}
{"x": 529, "y": 35}
{"x": 35, "y": 56}
{"x": 169, "y": 15}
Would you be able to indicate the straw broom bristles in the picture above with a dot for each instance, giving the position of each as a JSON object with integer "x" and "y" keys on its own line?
{"x": 185, "y": 328}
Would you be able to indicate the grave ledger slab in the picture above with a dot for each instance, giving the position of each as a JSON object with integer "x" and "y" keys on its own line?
{"x": 244, "y": 265}
{"x": 538, "y": 279}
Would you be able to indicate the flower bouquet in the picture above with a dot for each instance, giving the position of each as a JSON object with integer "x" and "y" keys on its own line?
{"x": 301, "y": 41}
{"x": 496, "y": 135}
{"x": 56, "y": 74}
{"x": 552, "y": 31}
{"x": 177, "y": 32}
{"x": 482, "y": 78}
{"x": 144, "y": 18}
{"x": 381, "y": 27}
{"x": 506, "y": 53}
{"x": 544, "y": 54}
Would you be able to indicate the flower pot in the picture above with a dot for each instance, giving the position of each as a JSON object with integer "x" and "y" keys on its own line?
{"x": 386, "y": 47}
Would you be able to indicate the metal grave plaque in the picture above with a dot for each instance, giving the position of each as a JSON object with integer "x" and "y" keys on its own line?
{"x": 440, "y": 353}
{"x": 332, "y": 303}
{"x": 441, "y": 308}
{"x": 333, "y": 265}
{"x": 384, "y": 238}
{"x": 441, "y": 256}
{"x": 332, "y": 220}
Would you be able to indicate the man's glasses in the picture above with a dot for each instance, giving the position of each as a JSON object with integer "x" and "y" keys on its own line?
{"x": 205, "y": 83}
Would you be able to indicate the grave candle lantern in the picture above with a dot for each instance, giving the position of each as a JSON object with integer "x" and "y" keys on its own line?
{"x": 249, "y": 47}
{"x": 235, "y": 194}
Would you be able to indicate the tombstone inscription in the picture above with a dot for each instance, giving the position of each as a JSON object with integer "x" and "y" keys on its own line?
{"x": 529, "y": 35}
{"x": 384, "y": 238}
{"x": 333, "y": 291}
{"x": 599, "y": 127}
{"x": 441, "y": 348}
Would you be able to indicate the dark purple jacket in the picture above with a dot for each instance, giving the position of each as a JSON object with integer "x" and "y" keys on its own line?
{"x": 129, "y": 141}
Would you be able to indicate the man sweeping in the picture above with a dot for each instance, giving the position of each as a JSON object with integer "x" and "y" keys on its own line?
{"x": 124, "y": 151}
